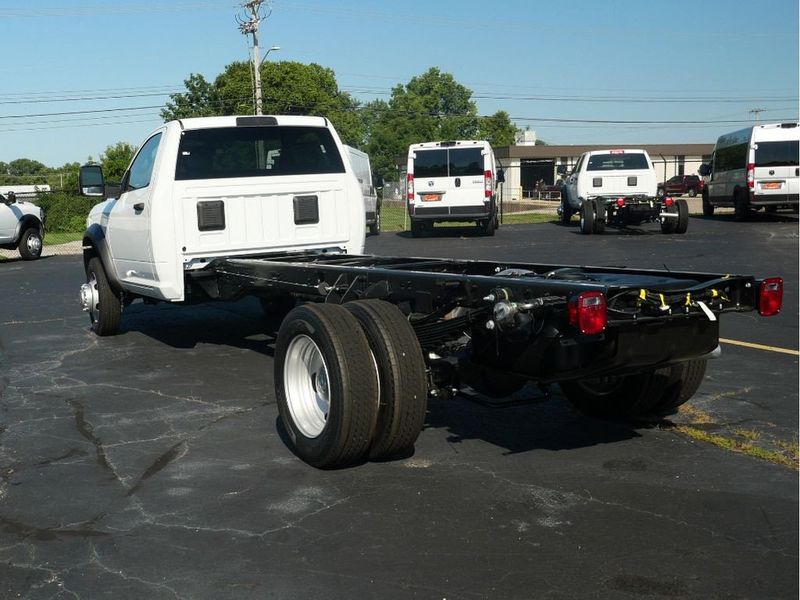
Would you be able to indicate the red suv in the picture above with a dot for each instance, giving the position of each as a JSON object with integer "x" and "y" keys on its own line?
{"x": 680, "y": 185}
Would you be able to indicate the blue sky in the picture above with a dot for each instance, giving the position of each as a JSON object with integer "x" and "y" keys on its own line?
{"x": 554, "y": 66}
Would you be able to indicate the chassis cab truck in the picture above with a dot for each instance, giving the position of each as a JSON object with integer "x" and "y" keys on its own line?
{"x": 268, "y": 206}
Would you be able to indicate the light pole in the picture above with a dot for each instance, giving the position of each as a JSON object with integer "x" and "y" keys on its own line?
{"x": 258, "y": 76}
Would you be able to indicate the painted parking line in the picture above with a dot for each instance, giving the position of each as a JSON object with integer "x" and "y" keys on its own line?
{"x": 760, "y": 347}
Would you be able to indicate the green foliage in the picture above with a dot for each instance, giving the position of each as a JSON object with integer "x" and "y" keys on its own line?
{"x": 115, "y": 160}
{"x": 497, "y": 129}
{"x": 198, "y": 101}
{"x": 432, "y": 106}
{"x": 25, "y": 166}
{"x": 64, "y": 212}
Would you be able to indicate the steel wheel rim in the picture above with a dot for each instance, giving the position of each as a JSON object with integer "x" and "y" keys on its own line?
{"x": 34, "y": 244}
{"x": 307, "y": 386}
{"x": 90, "y": 297}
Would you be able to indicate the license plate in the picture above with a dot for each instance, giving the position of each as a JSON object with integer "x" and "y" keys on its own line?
{"x": 431, "y": 197}
{"x": 771, "y": 185}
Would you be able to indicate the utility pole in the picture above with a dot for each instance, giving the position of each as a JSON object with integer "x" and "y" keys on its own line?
{"x": 755, "y": 112}
{"x": 248, "y": 25}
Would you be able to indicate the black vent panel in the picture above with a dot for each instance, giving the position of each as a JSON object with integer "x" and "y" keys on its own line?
{"x": 211, "y": 215}
{"x": 632, "y": 181}
{"x": 306, "y": 210}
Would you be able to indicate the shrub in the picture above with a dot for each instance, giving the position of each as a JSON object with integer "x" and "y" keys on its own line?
{"x": 65, "y": 212}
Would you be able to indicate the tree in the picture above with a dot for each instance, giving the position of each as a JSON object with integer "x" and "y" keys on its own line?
{"x": 198, "y": 101}
{"x": 497, "y": 129}
{"x": 26, "y": 166}
{"x": 115, "y": 160}
{"x": 432, "y": 106}
{"x": 289, "y": 88}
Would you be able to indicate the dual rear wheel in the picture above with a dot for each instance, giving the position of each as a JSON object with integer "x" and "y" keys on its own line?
{"x": 351, "y": 382}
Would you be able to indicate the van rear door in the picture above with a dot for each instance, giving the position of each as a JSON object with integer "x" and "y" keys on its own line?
{"x": 776, "y": 170}
{"x": 449, "y": 177}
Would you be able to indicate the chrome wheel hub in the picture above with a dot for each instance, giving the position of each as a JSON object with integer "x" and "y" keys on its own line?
{"x": 307, "y": 386}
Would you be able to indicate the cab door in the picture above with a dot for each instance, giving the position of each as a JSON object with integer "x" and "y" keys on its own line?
{"x": 572, "y": 183}
{"x": 128, "y": 229}
{"x": 8, "y": 220}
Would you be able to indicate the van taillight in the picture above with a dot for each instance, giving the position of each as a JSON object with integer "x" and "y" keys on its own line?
{"x": 487, "y": 184}
{"x": 751, "y": 169}
{"x": 587, "y": 312}
{"x": 410, "y": 186}
{"x": 770, "y": 296}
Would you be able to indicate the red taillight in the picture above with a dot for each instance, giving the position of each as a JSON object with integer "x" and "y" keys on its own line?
{"x": 587, "y": 312}
{"x": 620, "y": 202}
{"x": 751, "y": 170}
{"x": 487, "y": 184}
{"x": 770, "y": 296}
{"x": 410, "y": 186}
{"x": 668, "y": 201}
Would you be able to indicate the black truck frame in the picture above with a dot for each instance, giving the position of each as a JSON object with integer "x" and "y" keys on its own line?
{"x": 619, "y": 342}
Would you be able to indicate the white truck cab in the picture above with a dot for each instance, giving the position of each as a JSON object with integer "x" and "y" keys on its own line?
{"x": 21, "y": 226}
{"x": 206, "y": 188}
{"x": 609, "y": 173}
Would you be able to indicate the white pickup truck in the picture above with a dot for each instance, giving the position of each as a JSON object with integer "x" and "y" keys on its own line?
{"x": 219, "y": 208}
{"x": 21, "y": 226}
{"x": 618, "y": 187}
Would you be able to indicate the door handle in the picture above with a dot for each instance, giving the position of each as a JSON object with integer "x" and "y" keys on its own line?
{"x": 138, "y": 207}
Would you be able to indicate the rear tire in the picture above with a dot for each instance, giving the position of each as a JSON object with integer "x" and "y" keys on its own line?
{"x": 487, "y": 228}
{"x": 106, "y": 312}
{"x": 375, "y": 228}
{"x": 587, "y": 217}
{"x": 418, "y": 228}
{"x": 326, "y": 385}
{"x": 741, "y": 211}
{"x": 401, "y": 375}
{"x": 683, "y": 216}
{"x": 600, "y": 216}
{"x": 30, "y": 244}
{"x": 708, "y": 208}
{"x": 647, "y": 396}
{"x": 669, "y": 224}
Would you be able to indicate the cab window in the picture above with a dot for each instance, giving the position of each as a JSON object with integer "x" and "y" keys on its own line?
{"x": 142, "y": 167}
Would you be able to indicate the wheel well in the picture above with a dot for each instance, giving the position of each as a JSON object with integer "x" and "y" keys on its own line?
{"x": 89, "y": 251}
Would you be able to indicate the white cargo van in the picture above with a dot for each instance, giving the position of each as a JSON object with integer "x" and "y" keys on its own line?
{"x": 754, "y": 168}
{"x": 359, "y": 161}
{"x": 452, "y": 181}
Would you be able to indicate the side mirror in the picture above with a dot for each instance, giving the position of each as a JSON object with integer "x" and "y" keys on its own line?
{"x": 561, "y": 169}
{"x": 91, "y": 181}
{"x": 501, "y": 176}
{"x": 377, "y": 182}
{"x": 11, "y": 198}
{"x": 704, "y": 170}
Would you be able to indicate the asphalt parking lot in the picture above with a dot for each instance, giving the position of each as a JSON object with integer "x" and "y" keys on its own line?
{"x": 149, "y": 465}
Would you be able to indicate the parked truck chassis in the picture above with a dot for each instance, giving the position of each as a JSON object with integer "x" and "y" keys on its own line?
{"x": 621, "y": 211}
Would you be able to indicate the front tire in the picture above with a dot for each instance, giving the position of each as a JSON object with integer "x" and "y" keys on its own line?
{"x": 566, "y": 210}
{"x": 100, "y": 301}
{"x": 401, "y": 376}
{"x": 326, "y": 385}
{"x": 30, "y": 244}
{"x": 692, "y": 192}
